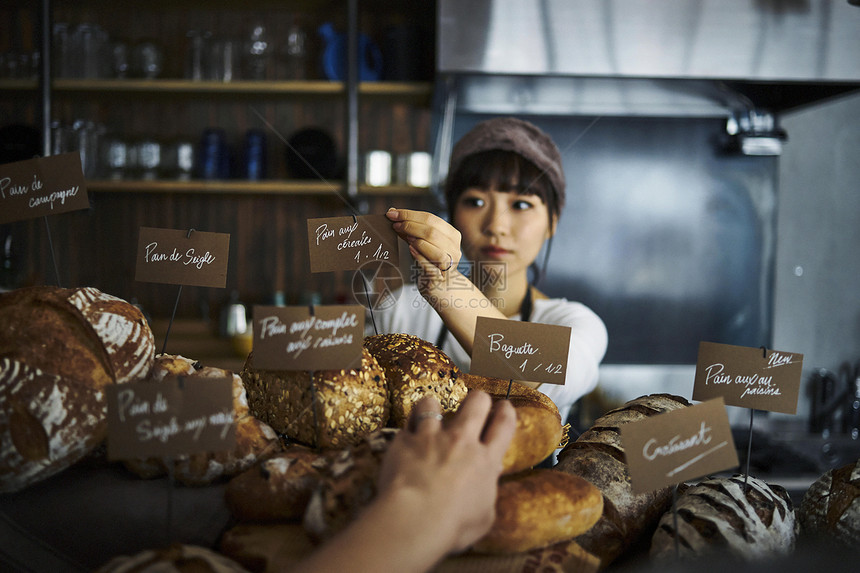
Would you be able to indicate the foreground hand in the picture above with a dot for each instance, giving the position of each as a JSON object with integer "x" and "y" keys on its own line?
{"x": 432, "y": 240}
{"x": 448, "y": 473}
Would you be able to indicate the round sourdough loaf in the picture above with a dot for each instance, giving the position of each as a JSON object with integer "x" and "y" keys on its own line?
{"x": 830, "y": 509}
{"x": 278, "y": 488}
{"x": 723, "y": 515}
{"x": 540, "y": 507}
{"x": 59, "y": 349}
{"x": 598, "y": 456}
{"x": 322, "y": 409}
{"x": 413, "y": 369}
{"x": 539, "y": 431}
{"x": 255, "y": 440}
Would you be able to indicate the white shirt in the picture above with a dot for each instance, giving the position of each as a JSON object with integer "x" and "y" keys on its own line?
{"x": 411, "y": 314}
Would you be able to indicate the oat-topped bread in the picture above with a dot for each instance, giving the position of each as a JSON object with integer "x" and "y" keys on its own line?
{"x": 414, "y": 368}
{"x": 59, "y": 349}
{"x": 321, "y": 409}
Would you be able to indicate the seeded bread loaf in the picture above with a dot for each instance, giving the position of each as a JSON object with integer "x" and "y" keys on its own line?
{"x": 413, "y": 369}
{"x": 539, "y": 431}
{"x": 59, "y": 349}
{"x": 322, "y": 409}
{"x": 723, "y": 515}
{"x": 598, "y": 456}
{"x": 831, "y": 506}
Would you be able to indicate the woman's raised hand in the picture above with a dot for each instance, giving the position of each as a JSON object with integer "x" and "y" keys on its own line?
{"x": 432, "y": 241}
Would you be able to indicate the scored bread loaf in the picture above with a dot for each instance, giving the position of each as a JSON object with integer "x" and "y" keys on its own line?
{"x": 413, "y": 369}
{"x": 539, "y": 431}
{"x": 723, "y": 515}
{"x": 598, "y": 456}
{"x": 176, "y": 558}
{"x": 255, "y": 440}
{"x": 830, "y": 508}
{"x": 321, "y": 409}
{"x": 347, "y": 487}
{"x": 59, "y": 349}
{"x": 278, "y": 488}
{"x": 540, "y": 507}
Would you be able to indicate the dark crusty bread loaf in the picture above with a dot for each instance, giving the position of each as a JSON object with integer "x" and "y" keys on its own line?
{"x": 255, "y": 440}
{"x": 831, "y": 506}
{"x": 539, "y": 431}
{"x": 415, "y": 368}
{"x": 341, "y": 408}
{"x": 178, "y": 558}
{"x": 598, "y": 456}
{"x": 279, "y": 488}
{"x": 348, "y": 485}
{"x": 540, "y": 507}
{"x": 59, "y": 349}
{"x": 722, "y": 515}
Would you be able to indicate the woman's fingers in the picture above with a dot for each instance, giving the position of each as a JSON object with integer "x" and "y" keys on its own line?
{"x": 426, "y": 415}
{"x": 472, "y": 414}
{"x": 500, "y": 427}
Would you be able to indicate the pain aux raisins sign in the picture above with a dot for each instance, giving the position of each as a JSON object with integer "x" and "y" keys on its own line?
{"x": 755, "y": 378}
{"x": 41, "y": 187}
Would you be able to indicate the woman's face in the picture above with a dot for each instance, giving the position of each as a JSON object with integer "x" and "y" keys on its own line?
{"x": 502, "y": 226}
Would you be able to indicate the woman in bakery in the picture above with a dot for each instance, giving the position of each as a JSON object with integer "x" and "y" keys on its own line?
{"x": 505, "y": 192}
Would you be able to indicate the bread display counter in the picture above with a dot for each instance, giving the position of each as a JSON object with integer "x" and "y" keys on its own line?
{"x": 305, "y": 462}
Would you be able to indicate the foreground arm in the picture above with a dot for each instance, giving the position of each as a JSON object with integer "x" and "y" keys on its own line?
{"x": 437, "y": 492}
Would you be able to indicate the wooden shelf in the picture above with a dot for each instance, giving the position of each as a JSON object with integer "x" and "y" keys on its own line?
{"x": 288, "y": 187}
{"x": 418, "y": 90}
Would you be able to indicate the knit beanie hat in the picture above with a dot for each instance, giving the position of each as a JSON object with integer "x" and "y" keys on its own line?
{"x": 519, "y": 136}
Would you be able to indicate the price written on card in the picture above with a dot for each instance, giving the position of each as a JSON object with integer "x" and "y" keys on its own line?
{"x": 748, "y": 377}
{"x": 344, "y": 243}
{"x": 174, "y": 256}
{"x": 292, "y": 338}
{"x": 683, "y": 444}
{"x": 43, "y": 186}
{"x": 170, "y": 418}
{"x": 523, "y": 351}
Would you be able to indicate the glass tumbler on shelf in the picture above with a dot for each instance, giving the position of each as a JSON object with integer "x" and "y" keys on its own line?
{"x": 258, "y": 49}
{"x": 197, "y": 54}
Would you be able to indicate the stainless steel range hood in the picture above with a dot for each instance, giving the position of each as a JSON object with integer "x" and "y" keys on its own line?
{"x": 646, "y": 57}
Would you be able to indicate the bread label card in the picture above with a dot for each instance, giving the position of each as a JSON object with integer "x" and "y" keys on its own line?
{"x": 680, "y": 445}
{"x": 173, "y": 417}
{"x": 174, "y": 256}
{"x": 523, "y": 351}
{"x": 292, "y": 338}
{"x": 748, "y": 377}
{"x": 347, "y": 243}
{"x": 42, "y": 186}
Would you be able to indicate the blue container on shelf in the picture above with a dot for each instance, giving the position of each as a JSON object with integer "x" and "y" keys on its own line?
{"x": 333, "y": 61}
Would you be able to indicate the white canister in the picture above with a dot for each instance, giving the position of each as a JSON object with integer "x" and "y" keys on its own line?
{"x": 377, "y": 168}
{"x": 414, "y": 169}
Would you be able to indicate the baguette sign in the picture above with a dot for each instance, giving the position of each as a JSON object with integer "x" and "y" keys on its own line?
{"x": 291, "y": 338}
{"x": 173, "y": 256}
{"x": 41, "y": 187}
{"x": 173, "y": 417}
{"x": 524, "y": 351}
{"x": 683, "y": 444}
{"x": 347, "y": 243}
{"x": 748, "y": 377}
